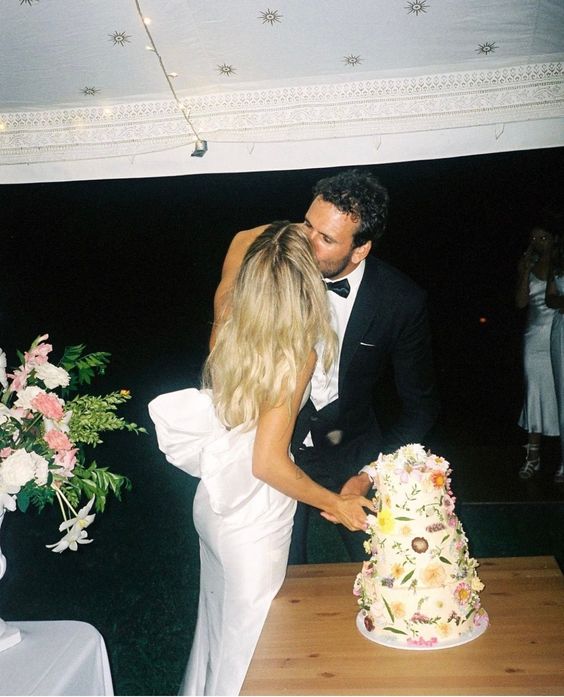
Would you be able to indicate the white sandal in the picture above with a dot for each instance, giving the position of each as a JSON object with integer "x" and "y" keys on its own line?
{"x": 532, "y": 463}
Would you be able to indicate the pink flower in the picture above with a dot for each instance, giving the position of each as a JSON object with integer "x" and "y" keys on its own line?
{"x": 38, "y": 355}
{"x": 6, "y": 452}
{"x": 402, "y": 474}
{"x": 57, "y": 440}
{"x": 449, "y": 502}
{"x": 19, "y": 378}
{"x": 48, "y": 405}
{"x": 462, "y": 594}
{"x": 66, "y": 461}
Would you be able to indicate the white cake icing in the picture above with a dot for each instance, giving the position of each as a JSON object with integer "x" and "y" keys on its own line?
{"x": 420, "y": 588}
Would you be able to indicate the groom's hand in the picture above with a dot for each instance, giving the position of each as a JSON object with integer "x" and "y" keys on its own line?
{"x": 359, "y": 484}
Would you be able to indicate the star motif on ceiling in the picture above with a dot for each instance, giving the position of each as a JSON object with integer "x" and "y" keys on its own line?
{"x": 89, "y": 91}
{"x": 270, "y": 16}
{"x": 28, "y": 2}
{"x": 487, "y": 48}
{"x": 417, "y": 7}
{"x": 225, "y": 69}
{"x": 352, "y": 60}
{"x": 120, "y": 38}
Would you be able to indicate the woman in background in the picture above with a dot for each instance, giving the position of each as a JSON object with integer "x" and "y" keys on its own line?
{"x": 235, "y": 436}
{"x": 555, "y": 301}
{"x": 539, "y": 415}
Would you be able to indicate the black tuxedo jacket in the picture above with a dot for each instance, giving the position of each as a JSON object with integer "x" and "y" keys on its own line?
{"x": 388, "y": 322}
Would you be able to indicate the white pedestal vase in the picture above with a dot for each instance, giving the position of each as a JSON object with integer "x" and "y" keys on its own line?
{"x": 9, "y": 636}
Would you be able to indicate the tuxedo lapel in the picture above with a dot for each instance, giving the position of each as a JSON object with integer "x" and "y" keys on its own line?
{"x": 360, "y": 319}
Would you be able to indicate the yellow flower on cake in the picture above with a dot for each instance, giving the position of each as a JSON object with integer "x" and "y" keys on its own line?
{"x": 433, "y": 575}
{"x": 444, "y": 629}
{"x": 477, "y": 585}
{"x": 398, "y": 609}
{"x": 386, "y": 521}
{"x": 397, "y": 570}
{"x": 405, "y": 530}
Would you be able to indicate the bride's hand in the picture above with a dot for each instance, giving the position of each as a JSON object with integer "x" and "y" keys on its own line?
{"x": 349, "y": 511}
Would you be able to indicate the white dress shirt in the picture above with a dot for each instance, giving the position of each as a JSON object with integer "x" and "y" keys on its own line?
{"x": 325, "y": 386}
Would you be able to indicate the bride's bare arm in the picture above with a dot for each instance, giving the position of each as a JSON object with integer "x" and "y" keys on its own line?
{"x": 237, "y": 249}
{"x": 272, "y": 464}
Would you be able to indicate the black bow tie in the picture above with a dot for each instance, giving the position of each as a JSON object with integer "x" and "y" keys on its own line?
{"x": 341, "y": 287}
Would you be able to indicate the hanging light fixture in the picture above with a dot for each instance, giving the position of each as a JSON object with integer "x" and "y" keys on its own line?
{"x": 200, "y": 148}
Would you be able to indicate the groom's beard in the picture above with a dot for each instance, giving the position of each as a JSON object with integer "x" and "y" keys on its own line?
{"x": 333, "y": 269}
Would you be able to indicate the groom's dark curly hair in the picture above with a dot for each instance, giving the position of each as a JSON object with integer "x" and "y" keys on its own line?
{"x": 361, "y": 195}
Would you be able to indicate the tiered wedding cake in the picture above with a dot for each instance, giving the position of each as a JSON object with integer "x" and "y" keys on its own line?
{"x": 420, "y": 589}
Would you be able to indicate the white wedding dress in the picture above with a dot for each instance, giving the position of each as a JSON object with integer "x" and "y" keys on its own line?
{"x": 244, "y": 527}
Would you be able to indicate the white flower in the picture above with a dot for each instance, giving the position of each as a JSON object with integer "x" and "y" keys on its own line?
{"x": 52, "y": 375}
{"x": 41, "y": 468}
{"x": 21, "y": 467}
{"x": 17, "y": 469}
{"x": 3, "y": 376}
{"x": 26, "y": 396}
{"x": 82, "y": 519}
{"x": 5, "y": 414}
{"x": 74, "y": 537}
{"x": 414, "y": 452}
{"x": 63, "y": 425}
{"x": 7, "y": 501}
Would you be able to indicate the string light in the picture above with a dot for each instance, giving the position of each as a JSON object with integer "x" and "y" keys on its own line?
{"x": 200, "y": 146}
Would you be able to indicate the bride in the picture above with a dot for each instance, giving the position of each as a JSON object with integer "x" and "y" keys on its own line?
{"x": 234, "y": 434}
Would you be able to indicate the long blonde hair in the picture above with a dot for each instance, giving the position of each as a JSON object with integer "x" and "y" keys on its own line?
{"x": 279, "y": 313}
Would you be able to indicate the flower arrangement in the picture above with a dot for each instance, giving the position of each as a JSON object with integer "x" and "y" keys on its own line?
{"x": 43, "y": 436}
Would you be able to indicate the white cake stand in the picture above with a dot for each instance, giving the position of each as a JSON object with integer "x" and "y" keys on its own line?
{"x": 394, "y": 642}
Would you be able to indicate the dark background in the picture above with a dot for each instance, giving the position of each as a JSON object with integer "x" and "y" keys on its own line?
{"x": 130, "y": 267}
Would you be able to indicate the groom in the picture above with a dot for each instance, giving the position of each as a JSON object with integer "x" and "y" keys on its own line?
{"x": 380, "y": 316}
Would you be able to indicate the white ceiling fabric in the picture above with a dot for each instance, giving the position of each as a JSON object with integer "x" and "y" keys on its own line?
{"x": 283, "y": 85}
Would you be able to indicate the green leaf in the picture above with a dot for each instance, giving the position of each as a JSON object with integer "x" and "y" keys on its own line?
{"x": 404, "y": 518}
{"x": 406, "y": 578}
{"x": 394, "y": 630}
{"x": 23, "y": 501}
{"x": 71, "y": 356}
{"x": 390, "y": 613}
{"x": 445, "y": 560}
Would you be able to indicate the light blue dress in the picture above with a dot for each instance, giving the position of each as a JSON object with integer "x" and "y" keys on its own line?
{"x": 557, "y": 355}
{"x": 540, "y": 410}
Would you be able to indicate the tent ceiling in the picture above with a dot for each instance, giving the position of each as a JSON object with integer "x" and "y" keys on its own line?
{"x": 276, "y": 85}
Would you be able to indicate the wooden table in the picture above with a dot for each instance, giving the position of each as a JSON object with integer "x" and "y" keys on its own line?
{"x": 310, "y": 644}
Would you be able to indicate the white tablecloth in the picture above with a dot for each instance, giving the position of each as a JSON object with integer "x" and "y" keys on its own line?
{"x": 56, "y": 658}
